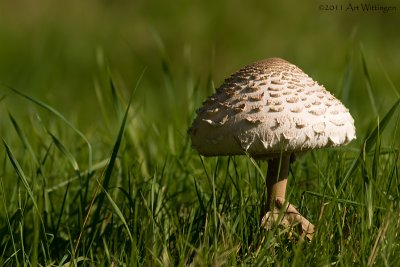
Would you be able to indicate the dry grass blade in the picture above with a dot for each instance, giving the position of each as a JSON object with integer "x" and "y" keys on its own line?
{"x": 380, "y": 235}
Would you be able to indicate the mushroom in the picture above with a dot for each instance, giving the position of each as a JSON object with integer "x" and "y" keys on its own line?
{"x": 271, "y": 110}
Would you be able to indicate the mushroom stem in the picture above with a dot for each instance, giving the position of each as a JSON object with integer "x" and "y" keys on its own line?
{"x": 276, "y": 181}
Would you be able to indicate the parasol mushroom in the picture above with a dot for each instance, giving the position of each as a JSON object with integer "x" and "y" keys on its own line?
{"x": 272, "y": 110}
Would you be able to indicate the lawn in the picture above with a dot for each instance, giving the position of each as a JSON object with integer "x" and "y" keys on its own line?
{"x": 97, "y": 168}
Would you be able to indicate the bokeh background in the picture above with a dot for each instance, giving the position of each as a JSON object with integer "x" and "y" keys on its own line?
{"x": 57, "y": 51}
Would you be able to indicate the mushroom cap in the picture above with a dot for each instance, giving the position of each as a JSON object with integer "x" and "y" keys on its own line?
{"x": 267, "y": 108}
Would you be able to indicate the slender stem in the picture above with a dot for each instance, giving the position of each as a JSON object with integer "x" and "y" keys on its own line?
{"x": 276, "y": 180}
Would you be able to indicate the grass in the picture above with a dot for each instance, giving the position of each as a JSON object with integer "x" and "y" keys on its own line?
{"x": 134, "y": 193}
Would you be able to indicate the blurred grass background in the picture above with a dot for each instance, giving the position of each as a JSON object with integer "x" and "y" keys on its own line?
{"x": 53, "y": 50}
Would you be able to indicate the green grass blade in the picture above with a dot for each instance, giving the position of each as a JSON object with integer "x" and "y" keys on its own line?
{"x": 372, "y": 137}
{"x": 166, "y": 70}
{"x": 341, "y": 200}
{"x": 37, "y": 214}
{"x": 199, "y": 198}
{"x": 368, "y": 83}
{"x": 214, "y": 203}
{"x": 118, "y": 212}
{"x": 347, "y": 79}
{"x": 377, "y": 153}
{"x": 60, "y": 116}
{"x": 108, "y": 171}
{"x": 394, "y": 88}
{"x": 68, "y": 155}
{"x": 20, "y": 173}
{"x": 115, "y": 100}
{"x": 97, "y": 166}
{"x": 9, "y": 227}
{"x": 368, "y": 143}
{"x": 23, "y": 138}
{"x": 102, "y": 104}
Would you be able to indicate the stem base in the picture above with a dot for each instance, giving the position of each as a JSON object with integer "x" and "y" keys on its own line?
{"x": 285, "y": 214}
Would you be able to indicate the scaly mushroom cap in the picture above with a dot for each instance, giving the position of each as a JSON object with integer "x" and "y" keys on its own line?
{"x": 269, "y": 107}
